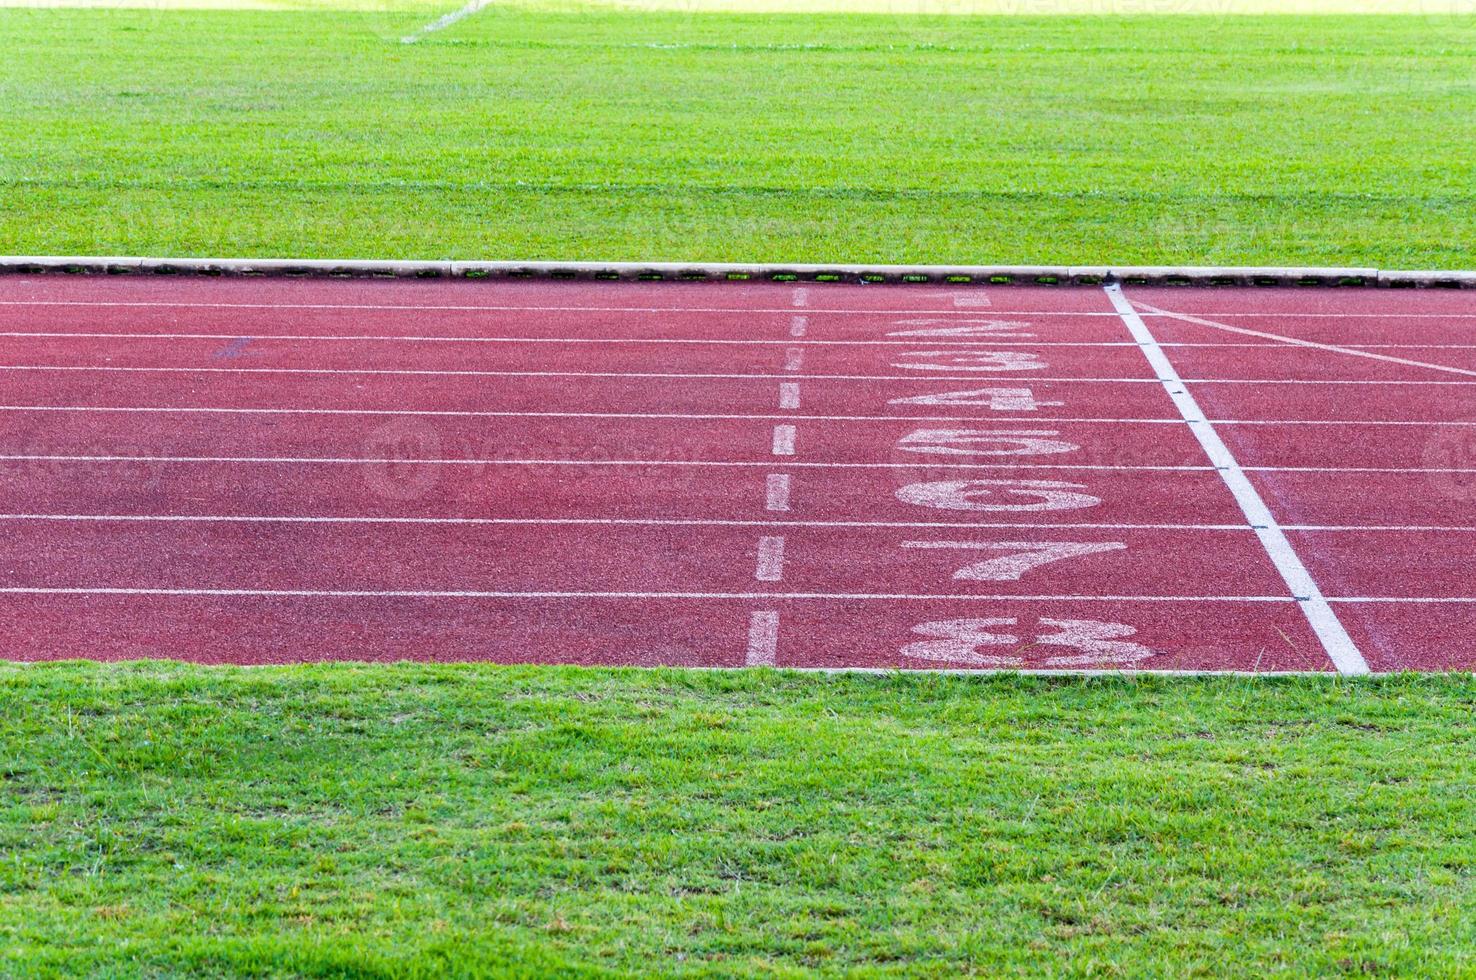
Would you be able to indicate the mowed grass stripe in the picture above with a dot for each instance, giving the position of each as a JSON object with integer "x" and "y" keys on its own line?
{"x": 527, "y": 133}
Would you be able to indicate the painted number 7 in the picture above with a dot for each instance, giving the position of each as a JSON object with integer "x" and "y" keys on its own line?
{"x": 1021, "y": 557}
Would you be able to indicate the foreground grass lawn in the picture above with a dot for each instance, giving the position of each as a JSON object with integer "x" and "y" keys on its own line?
{"x": 413, "y": 819}
{"x": 530, "y": 133}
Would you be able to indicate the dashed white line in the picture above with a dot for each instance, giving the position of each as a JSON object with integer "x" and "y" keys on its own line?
{"x": 770, "y": 567}
{"x": 1324, "y": 621}
{"x": 776, "y": 492}
{"x": 784, "y": 436}
{"x": 763, "y": 639}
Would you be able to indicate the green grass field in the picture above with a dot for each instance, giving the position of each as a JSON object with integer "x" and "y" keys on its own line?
{"x": 415, "y": 821}
{"x": 589, "y": 134}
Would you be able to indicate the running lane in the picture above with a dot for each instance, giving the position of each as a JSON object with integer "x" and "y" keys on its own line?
{"x": 824, "y": 476}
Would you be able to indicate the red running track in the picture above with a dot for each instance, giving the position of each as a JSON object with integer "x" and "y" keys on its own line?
{"x": 815, "y": 476}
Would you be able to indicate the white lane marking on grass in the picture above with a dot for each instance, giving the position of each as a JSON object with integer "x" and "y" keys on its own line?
{"x": 445, "y": 21}
{"x": 784, "y": 436}
{"x": 789, "y": 394}
{"x": 776, "y": 492}
{"x": 1298, "y": 342}
{"x": 794, "y": 358}
{"x": 770, "y": 567}
{"x": 763, "y": 639}
{"x": 1324, "y": 621}
{"x": 798, "y": 325}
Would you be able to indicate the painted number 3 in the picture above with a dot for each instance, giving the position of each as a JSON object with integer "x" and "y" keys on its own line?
{"x": 975, "y": 642}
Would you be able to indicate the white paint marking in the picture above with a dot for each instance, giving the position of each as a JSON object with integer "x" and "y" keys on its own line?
{"x": 801, "y": 296}
{"x": 984, "y": 495}
{"x": 998, "y": 399}
{"x": 1298, "y": 342}
{"x": 770, "y": 566}
{"x": 784, "y": 436}
{"x": 794, "y": 358}
{"x": 791, "y": 388}
{"x": 746, "y": 596}
{"x": 677, "y": 309}
{"x": 439, "y": 339}
{"x": 718, "y": 463}
{"x": 705, "y": 522}
{"x": 1357, "y": 382}
{"x": 777, "y": 492}
{"x": 798, "y": 325}
{"x": 1023, "y": 557}
{"x": 972, "y": 359}
{"x": 446, "y": 21}
{"x": 1324, "y": 621}
{"x": 985, "y": 442}
{"x": 971, "y": 300}
{"x": 994, "y": 329}
{"x": 763, "y": 639}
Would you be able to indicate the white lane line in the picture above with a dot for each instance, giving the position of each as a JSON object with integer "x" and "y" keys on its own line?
{"x": 715, "y": 463}
{"x": 770, "y": 567}
{"x": 784, "y": 436}
{"x": 788, "y": 399}
{"x": 603, "y": 341}
{"x": 1324, "y": 621}
{"x": 798, "y": 325}
{"x": 446, "y": 20}
{"x": 1298, "y": 342}
{"x": 698, "y": 522}
{"x": 1370, "y": 382}
{"x": 419, "y": 307}
{"x": 744, "y": 596}
{"x": 763, "y": 639}
{"x": 797, "y": 330}
{"x": 794, "y": 358}
{"x": 1090, "y": 314}
{"x": 776, "y": 492}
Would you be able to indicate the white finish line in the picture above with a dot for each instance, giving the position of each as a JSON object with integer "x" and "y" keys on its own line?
{"x": 1320, "y": 615}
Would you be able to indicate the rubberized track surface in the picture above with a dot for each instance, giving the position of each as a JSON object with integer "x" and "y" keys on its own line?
{"x": 826, "y": 476}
